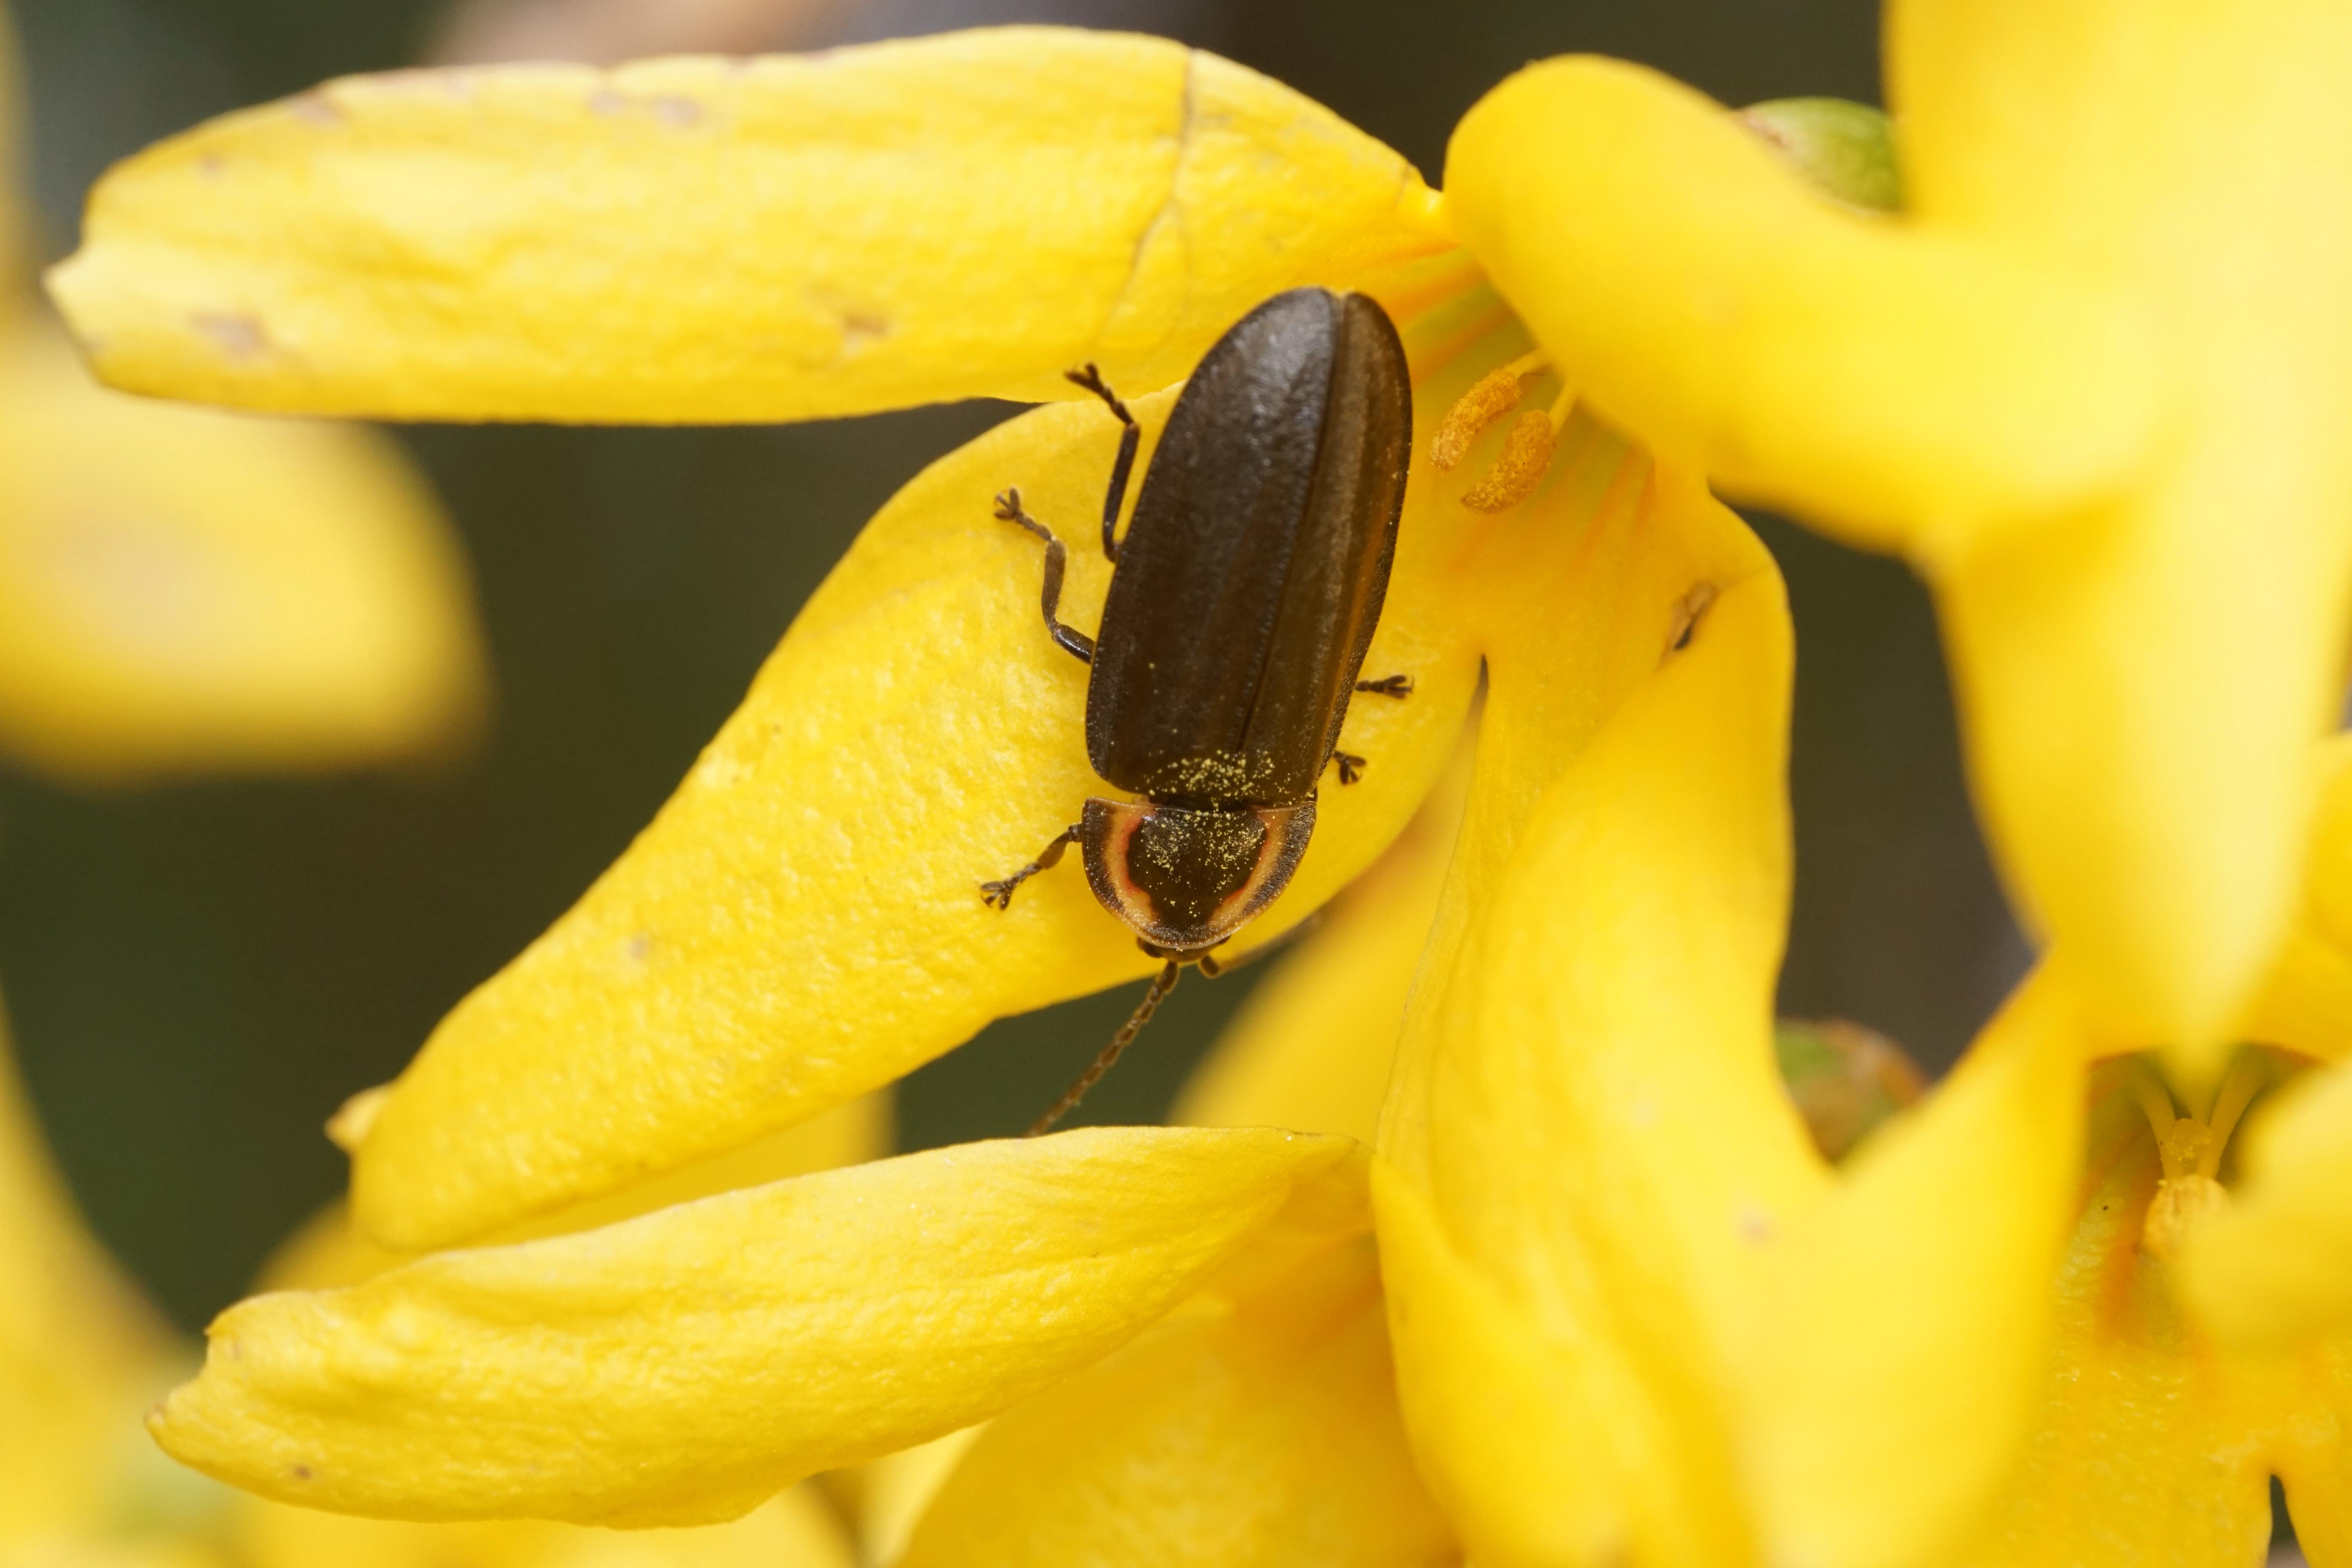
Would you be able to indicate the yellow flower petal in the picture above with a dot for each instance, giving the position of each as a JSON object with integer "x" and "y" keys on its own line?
{"x": 329, "y": 1250}
{"x": 2148, "y": 793}
{"x": 889, "y": 1497}
{"x": 77, "y": 1344}
{"x": 1311, "y": 1049}
{"x": 188, "y": 591}
{"x": 2145, "y": 688}
{"x": 1537, "y": 1444}
{"x": 710, "y": 240}
{"x": 2306, "y": 1004}
{"x": 679, "y": 1368}
{"x": 1636, "y": 1315}
{"x": 2090, "y": 382}
{"x": 1640, "y": 1025}
{"x": 1699, "y": 292}
{"x": 1891, "y": 1373}
{"x": 1263, "y": 1431}
{"x": 796, "y": 1529}
{"x": 2277, "y": 1268}
{"x": 2138, "y": 1453}
{"x": 802, "y": 921}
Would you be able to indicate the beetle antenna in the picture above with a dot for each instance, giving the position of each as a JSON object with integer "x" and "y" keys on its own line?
{"x": 1111, "y": 1052}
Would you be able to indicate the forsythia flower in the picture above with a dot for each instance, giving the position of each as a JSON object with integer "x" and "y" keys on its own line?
{"x": 2090, "y": 382}
{"x": 1637, "y": 1316}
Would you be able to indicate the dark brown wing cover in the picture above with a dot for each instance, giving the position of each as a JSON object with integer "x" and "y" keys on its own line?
{"x": 1252, "y": 575}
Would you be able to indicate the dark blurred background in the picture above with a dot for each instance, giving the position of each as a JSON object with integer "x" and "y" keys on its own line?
{"x": 198, "y": 975}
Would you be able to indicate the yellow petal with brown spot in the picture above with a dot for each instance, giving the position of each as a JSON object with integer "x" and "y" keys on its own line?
{"x": 679, "y": 1368}
{"x": 1251, "y": 1434}
{"x": 710, "y": 241}
{"x": 184, "y": 591}
{"x": 804, "y": 921}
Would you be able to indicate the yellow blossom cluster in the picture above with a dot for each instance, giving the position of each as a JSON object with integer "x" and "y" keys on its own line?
{"x": 1495, "y": 1235}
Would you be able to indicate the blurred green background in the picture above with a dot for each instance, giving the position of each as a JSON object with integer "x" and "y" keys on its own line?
{"x": 198, "y": 975}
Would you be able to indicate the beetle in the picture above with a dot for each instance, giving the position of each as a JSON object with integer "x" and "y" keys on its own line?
{"x": 1243, "y": 598}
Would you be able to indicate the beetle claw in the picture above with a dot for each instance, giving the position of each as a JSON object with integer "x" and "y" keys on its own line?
{"x": 1388, "y": 686}
{"x": 1352, "y": 767}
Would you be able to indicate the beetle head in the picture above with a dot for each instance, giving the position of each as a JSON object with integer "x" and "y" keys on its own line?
{"x": 1186, "y": 878}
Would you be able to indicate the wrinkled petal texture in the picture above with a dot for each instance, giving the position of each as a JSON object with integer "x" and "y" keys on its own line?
{"x": 681, "y": 1367}
{"x": 2151, "y": 1443}
{"x": 804, "y": 921}
{"x": 707, "y": 240}
{"x": 797, "y": 1529}
{"x": 1252, "y": 1434}
{"x": 1635, "y": 1316}
{"x": 183, "y": 591}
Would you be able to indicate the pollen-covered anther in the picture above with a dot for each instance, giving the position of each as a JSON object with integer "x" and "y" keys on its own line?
{"x": 1527, "y": 457}
{"x": 1495, "y": 394}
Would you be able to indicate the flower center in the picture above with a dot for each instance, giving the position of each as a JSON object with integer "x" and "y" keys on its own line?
{"x": 2190, "y": 1147}
{"x": 1526, "y": 446}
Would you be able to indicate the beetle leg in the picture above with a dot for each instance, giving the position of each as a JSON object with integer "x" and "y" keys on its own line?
{"x": 1008, "y": 509}
{"x": 1124, "y": 464}
{"x": 1388, "y": 686}
{"x": 999, "y": 893}
{"x": 1351, "y": 766}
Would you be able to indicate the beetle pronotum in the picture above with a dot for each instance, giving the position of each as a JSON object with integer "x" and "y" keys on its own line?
{"x": 1241, "y": 600}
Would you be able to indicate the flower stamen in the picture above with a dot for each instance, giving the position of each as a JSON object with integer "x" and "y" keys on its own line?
{"x": 1529, "y": 445}
{"x": 1495, "y": 394}
{"x": 2191, "y": 1149}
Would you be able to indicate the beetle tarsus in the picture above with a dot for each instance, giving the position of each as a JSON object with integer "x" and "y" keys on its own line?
{"x": 1008, "y": 509}
{"x": 1121, "y": 467}
{"x": 1388, "y": 686}
{"x": 1351, "y": 766}
{"x": 998, "y": 894}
